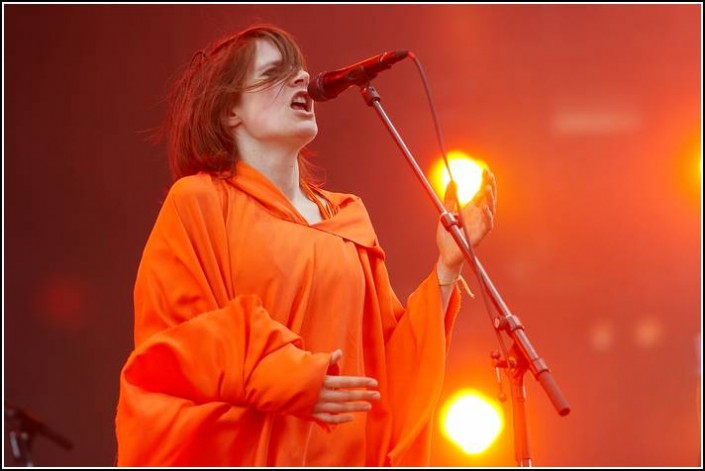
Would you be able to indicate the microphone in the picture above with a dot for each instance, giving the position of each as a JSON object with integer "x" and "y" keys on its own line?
{"x": 328, "y": 85}
{"x": 22, "y": 421}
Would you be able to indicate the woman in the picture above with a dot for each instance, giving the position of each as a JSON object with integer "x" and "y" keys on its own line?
{"x": 266, "y": 329}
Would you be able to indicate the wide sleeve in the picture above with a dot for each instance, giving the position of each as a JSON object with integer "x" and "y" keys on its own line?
{"x": 207, "y": 365}
{"x": 416, "y": 351}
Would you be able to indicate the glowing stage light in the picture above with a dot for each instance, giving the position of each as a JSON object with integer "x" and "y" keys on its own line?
{"x": 466, "y": 171}
{"x": 471, "y": 420}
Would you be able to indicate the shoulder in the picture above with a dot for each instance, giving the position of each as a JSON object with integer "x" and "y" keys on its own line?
{"x": 201, "y": 184}
{"x": 202, "y": 191}
{"x": 341, "y": 200}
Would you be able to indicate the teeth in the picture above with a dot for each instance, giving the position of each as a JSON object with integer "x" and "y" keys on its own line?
{"x": 301, "y": 99}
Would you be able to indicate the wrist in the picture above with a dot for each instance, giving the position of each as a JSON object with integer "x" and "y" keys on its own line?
{"x": 447, "y": 274}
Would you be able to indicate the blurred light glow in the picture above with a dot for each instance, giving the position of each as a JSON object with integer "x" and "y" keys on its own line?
{"x": 62, "y": 299}
{"x": 602, "y": 335}
{"x": 466, "y": 170}
{"x": 648, "y": 332}
{"x": 471, "y": 420}
{"x": 604, "y": 120}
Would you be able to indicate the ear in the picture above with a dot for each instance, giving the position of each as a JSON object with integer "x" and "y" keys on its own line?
{"x": 231, "y": 118}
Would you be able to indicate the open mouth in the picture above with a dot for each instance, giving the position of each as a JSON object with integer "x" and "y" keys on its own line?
{"x": 301, "y": 101}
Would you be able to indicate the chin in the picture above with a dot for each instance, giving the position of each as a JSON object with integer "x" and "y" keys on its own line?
{"x": 308, "y": 133}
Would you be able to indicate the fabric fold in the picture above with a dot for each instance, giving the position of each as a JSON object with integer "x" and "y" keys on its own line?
{"x": 239, "y": 303}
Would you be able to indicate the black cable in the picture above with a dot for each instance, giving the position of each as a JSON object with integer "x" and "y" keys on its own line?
{"x": 457, "y": 209}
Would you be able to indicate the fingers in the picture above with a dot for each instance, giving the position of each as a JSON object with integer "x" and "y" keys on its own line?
{"x": 338, "y": 401}
{"x": 489, "y": 215}
{"x": 336, "y": 407}
{"x": 486, "y": 199}
{"x": 333, "y": 398}
{"x": 349, "y": 382}
{"x": 450, "y": 196}
{"x": 489, "y": 199}
{"x": 341, "y": 395}
{"x": 333, "y": 395}
{"x": 488, "y": 177}
{"x": 332, "y": 419}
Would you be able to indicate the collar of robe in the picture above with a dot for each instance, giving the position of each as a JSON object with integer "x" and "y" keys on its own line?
{"x": 348, "y": 219}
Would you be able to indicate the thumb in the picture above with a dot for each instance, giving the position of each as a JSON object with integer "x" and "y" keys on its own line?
{"x": 333, "y": 368}
{"x": 335, "y": 357}
{"x": 451, "y": 196}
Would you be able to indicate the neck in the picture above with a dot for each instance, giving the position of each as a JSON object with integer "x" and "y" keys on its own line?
{"x": 279, "y": 165}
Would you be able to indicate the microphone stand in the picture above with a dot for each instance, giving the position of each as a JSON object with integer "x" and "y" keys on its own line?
{"x": 522, "y": 356}
{"x": 23, "y": 428}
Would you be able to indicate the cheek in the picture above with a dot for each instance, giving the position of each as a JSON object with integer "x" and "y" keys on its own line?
{"x": 264, "y": 110}
{"x": 269, "y": 107}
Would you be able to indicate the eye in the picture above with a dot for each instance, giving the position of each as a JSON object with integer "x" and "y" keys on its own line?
{"x": 273, "y": 69}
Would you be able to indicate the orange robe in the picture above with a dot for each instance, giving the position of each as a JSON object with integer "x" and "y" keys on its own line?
{"x": 239, "y": 303}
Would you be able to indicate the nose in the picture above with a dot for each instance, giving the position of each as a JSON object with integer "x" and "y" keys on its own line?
{"x": 302, "y": 77}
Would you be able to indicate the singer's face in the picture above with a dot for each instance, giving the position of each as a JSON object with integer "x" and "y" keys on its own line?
{"x": 281, "y": 114}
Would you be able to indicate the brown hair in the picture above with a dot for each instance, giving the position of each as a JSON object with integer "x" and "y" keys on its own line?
{"x": 197, "y": 140}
